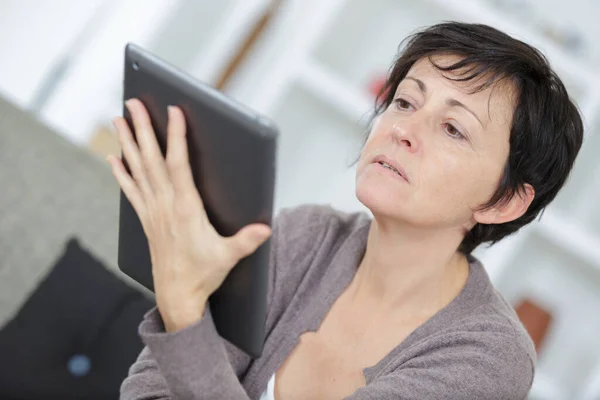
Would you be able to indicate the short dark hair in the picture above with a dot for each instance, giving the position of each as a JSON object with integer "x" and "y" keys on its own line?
{"x": 546, "y": 131}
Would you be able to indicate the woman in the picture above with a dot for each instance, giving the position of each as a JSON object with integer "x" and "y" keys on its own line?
{"x": 473, "y": 137}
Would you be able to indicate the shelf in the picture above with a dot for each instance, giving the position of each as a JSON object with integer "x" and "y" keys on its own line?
{"x": 576, "y": 198}
{"x": 202, "y": 38}
{"x": 363, "y": 41}
{"x": 36, "y": 38}
{"x": 545, "y": 388}
{"x": 495, "y": 258}
{"x": 571, "y": 236}
{"x": 565, "y": 64}
{"x": 569, "y": 287}
{"x": 189, "y": 31}
{"x": 333, "y": 90}
{"x": 341, "y": 193}
{"x": 351, "y": 52}
{"x": 587, "y": 204}
{"x": 101, "y": 58}
{"x": 593, "y": 222}
{"x": 591, "y": 388}
{"x": 317, "y": 146}
{"x": 231, "y": 31}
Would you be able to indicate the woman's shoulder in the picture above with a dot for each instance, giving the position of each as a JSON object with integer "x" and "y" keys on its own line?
{"x": 496, "y": 326}
{"x": 492, "y": 318}
{"x": 496, "y": 315}
{"x": 487, "y": 358}
{"x": 483, "y": 350}
{"x": 496, "y": 346}
{"x": 478, "y": 338}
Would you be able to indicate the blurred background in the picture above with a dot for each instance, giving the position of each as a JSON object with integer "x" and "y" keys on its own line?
{"x": 311, "y": 65}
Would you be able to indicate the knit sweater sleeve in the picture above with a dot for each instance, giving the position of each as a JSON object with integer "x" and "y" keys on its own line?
{"x": 196, "y": 363}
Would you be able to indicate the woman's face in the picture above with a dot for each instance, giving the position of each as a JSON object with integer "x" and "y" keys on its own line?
{"x": 437, "y": 152}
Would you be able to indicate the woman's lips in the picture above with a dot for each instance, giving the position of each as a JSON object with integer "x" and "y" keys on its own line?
{"x": 388, "y": 171}
{"x": 390, "y": 165}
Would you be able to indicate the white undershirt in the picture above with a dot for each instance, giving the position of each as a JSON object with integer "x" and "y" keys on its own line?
{"x": 269, "y": 393}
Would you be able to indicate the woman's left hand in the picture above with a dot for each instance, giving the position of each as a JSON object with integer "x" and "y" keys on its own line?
{"x": 190, "y": 259}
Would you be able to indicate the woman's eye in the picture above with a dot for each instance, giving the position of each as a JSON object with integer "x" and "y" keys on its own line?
{"x": 403, "y": 104}
{"x": 453, "y": 132}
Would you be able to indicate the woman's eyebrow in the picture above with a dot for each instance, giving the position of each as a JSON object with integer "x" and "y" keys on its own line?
{"x": 421, "y": 84}
{"x": 449, "y": 102}
{"x": 456, "y": 103}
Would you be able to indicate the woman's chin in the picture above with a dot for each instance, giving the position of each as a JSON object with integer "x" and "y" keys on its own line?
{"x": 379, "y": 199}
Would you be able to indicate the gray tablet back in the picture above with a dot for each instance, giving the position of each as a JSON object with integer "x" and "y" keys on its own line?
{"x": 232, "y": 156}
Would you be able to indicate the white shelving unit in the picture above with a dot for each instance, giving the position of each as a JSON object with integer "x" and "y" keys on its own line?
{"x": 537, "y": 271}
{"x": 311, "y": 73}
{"x": 197, "y": 36}
{"x": 334, "y": 90}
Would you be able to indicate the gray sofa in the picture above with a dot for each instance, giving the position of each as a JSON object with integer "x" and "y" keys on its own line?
{"x": 50, "y": 189}
{"x": 68, "y": 316}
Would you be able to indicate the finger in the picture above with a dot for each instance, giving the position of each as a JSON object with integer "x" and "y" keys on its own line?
{"x": 178, "y": 162}
{"x": 247, "y": 240}
{"x": 149, "y": 148}
{"x": 127, "y": 184}
{"x": 132, "y": 155}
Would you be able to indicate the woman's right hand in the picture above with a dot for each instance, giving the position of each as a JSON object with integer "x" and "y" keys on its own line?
{"x": 190, "y": 260}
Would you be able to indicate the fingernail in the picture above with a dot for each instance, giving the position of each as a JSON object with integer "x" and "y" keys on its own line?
{"x": 118, "y": 131}
{"x": 263, "y": 234}
{"x": 128, "y": 102}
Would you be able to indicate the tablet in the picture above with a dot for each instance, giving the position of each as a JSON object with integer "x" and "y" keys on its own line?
{"x": 232, "y": 157}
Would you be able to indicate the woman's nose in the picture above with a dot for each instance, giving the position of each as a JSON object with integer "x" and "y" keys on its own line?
{"x": 404, "y": 134}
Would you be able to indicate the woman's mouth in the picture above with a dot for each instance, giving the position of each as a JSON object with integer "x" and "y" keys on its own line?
{"x": 386, "y": 165}
{"x": 390, "y": 166}
{"x": 391, "y": 169}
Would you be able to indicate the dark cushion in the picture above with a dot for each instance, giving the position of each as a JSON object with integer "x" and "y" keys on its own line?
{"x": 76, "y": 335}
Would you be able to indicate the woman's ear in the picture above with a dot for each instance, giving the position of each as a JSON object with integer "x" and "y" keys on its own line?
{"x": 508, "y": 211}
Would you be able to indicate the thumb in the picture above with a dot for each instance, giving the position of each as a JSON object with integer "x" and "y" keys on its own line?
{"x": 248, "y": 239}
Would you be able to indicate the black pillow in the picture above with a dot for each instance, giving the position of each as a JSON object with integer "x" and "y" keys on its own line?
{"x": 76, "y": 335}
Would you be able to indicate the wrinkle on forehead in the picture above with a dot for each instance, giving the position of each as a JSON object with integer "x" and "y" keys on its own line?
{"x": 500, "y": 96}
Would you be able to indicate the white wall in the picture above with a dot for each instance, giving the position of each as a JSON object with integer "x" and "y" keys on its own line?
{"x": 33, "y": 35}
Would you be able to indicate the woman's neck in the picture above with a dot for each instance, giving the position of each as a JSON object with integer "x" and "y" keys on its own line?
{"x": 408, "y": 270}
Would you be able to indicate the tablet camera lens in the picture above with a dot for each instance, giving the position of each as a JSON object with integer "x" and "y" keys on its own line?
{"x": 135, "y": 66}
